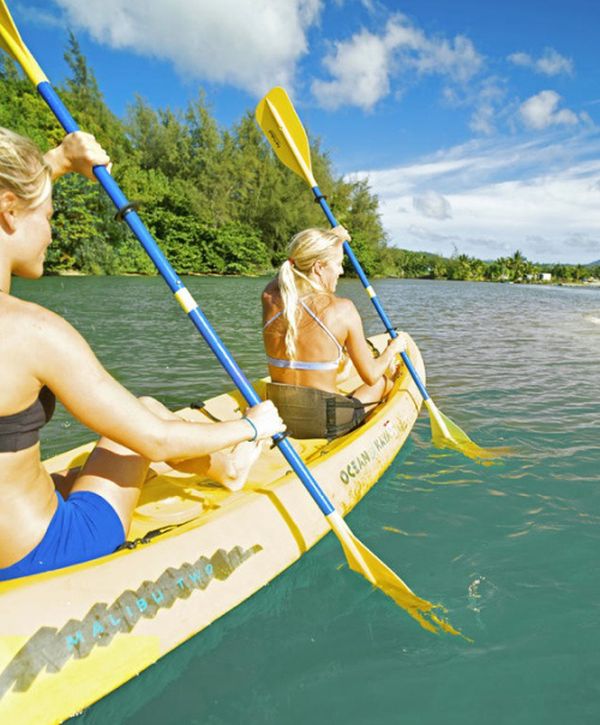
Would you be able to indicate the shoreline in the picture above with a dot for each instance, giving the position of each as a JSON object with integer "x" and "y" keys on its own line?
{"x": 78, "y": 273}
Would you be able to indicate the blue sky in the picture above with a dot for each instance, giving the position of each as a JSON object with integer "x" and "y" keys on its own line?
{"x": 475, "y": 122}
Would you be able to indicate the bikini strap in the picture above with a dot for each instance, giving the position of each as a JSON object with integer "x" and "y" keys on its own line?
{"x": 325, "y": 329}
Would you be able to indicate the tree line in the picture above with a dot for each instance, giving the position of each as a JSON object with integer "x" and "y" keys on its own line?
{"x": 217, "y": 200}
{"x": 516, "y": 268}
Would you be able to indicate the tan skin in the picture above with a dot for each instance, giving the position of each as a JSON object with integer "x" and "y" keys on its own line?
{"x": 39, "y": 346}
{"x": 343, "y": 320}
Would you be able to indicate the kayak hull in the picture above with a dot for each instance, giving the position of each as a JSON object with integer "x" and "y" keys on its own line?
{"x": 69, "y": 637}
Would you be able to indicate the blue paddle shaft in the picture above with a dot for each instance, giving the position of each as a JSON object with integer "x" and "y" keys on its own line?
{"x": 196, "y": 315}
{"x": 371, "y": 292}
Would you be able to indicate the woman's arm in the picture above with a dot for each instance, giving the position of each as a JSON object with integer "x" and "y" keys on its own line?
{"x": 369, "y": 368}
{"x": 64, "y": 362}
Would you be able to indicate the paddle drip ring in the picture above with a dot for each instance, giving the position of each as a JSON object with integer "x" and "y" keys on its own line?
{"x": 130, "y": 206}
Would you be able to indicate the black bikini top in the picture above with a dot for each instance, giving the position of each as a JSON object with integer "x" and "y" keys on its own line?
{"x": 22, "y": 430}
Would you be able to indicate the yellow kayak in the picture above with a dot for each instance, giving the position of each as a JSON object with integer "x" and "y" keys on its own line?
{"x": 71, "y": 636}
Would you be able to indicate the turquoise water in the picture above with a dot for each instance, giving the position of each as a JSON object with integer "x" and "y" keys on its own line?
{"x": 510, "y": 550}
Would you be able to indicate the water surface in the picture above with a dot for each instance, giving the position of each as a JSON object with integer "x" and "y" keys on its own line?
{"x": 511, "y": 550}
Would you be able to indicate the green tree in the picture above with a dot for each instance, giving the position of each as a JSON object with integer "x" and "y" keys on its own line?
{"x": 217, "y": 200}
{"x": 516, "y": 266}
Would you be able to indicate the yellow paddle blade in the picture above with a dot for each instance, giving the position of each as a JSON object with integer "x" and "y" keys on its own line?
{"x": 363, "y": 561}
{"x": 446, "y": 434}
{"x": 10, "y": 41}
{"x": 279, "y": 121}
{"x": 392, "y": 585}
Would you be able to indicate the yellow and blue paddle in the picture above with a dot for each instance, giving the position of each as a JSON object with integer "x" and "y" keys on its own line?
{"x": 281, "y": 125}
{"x": 360, "y": 559}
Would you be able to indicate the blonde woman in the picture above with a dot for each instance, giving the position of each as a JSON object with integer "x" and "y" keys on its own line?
{"x": 45, "y": 522}
{"x": 307, "y": 331}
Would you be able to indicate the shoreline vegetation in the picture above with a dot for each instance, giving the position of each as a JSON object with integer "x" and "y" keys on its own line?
{"x": 79, "y": 273}
{"x": 217, "y": 200}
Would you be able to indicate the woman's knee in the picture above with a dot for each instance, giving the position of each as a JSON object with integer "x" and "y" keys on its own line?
{"x": 149, "y": 402}
{"x": 155, "y": 406}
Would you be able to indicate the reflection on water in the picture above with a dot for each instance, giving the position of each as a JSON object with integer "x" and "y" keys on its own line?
{"x": 510, "y": 549}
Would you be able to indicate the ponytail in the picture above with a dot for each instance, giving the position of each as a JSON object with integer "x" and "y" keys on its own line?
{"x": 305, "y": 248}
{"x": 289, "y": 297}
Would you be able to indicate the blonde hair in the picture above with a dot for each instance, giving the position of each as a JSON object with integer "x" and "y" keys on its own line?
{"x": 23, "y": 169}
{"x": 304, "y": 250}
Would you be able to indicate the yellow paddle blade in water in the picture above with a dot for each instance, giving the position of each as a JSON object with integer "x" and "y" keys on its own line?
{"x": 363, "y": 561}
{"x": 279, "y": 121}
{"x": 446, "y": 434}
{"x": 10, "y": 41}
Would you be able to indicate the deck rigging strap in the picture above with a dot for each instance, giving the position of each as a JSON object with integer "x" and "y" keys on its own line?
{"x": 147, "y": 538}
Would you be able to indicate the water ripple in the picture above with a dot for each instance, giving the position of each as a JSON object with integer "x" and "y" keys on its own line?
{"x": 510, "y": 549}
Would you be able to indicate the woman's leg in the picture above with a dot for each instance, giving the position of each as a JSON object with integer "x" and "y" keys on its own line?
{"x": 370, "y": 395}
{"x": 229, "y": 467}
{"x": 117, "y": 474}
{"x": 114, "y": 472}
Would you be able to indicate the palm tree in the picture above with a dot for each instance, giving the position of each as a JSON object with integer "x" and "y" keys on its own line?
{"x": 516, "y": 265}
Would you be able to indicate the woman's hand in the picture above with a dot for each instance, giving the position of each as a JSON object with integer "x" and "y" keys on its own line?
{"x": 342, "y": 233}
{"x": 397, "y": 345}
{"x": 394, "y": 348}
{"x": 265, "y": 419}
{"x": 78, "y": 152}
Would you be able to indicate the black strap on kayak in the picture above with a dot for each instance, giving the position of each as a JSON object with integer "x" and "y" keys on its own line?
{"x": 147, "y": 538}
{"x": 374, "y": 351}
{"x": 201, "y": 406}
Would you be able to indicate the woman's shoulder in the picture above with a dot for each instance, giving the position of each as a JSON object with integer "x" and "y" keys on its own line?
{"x": 340, "y": 315}
{"x": 271, "y": 295}
{"x": 334, "y": 311}
{"x": 29, "y": 320}
{"x": 272, "y": 287}
{"x": 15, "y": 310}
{"x": 333, "y": 303}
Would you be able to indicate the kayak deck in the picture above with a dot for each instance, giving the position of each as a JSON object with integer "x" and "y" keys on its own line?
{"x": 199, "y": 550}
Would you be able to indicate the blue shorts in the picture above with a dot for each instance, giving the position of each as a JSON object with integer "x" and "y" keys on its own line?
{"x": 83, "y": 527}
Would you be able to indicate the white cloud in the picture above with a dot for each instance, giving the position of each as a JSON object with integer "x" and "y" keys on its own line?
{"x": 432, "y": 205}
{"x": 457, "y": 59}
{"x": 551, "y": 63}
{"x": 542, "y": 197}
{"x": 488, "y": 102}
{"x": 362, "y": 68}
{"x": 37, "y": 16}
{"x": 216, "y": 41}
{"x": 541, "y": 111}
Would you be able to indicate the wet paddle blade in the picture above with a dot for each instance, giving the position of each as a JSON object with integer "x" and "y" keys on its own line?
{"x": 446, "y": 434}
{"x": 11, "y": 42}
{"x": 279, "y": 121}
{"x": 392, "y": 585}
{"x": 363, "y": 561}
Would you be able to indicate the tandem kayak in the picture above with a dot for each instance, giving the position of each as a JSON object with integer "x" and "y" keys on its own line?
{"x": 71, "y": 636}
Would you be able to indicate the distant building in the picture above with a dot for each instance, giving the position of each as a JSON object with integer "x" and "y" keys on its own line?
{"x": 545, "y": 277}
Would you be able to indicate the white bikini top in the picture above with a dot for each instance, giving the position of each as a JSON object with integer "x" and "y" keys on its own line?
{"x": 307, "y": 364}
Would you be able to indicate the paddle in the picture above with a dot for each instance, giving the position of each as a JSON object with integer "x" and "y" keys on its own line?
{"x": 281, "y": 125}
{"x": 360, "y": 559}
